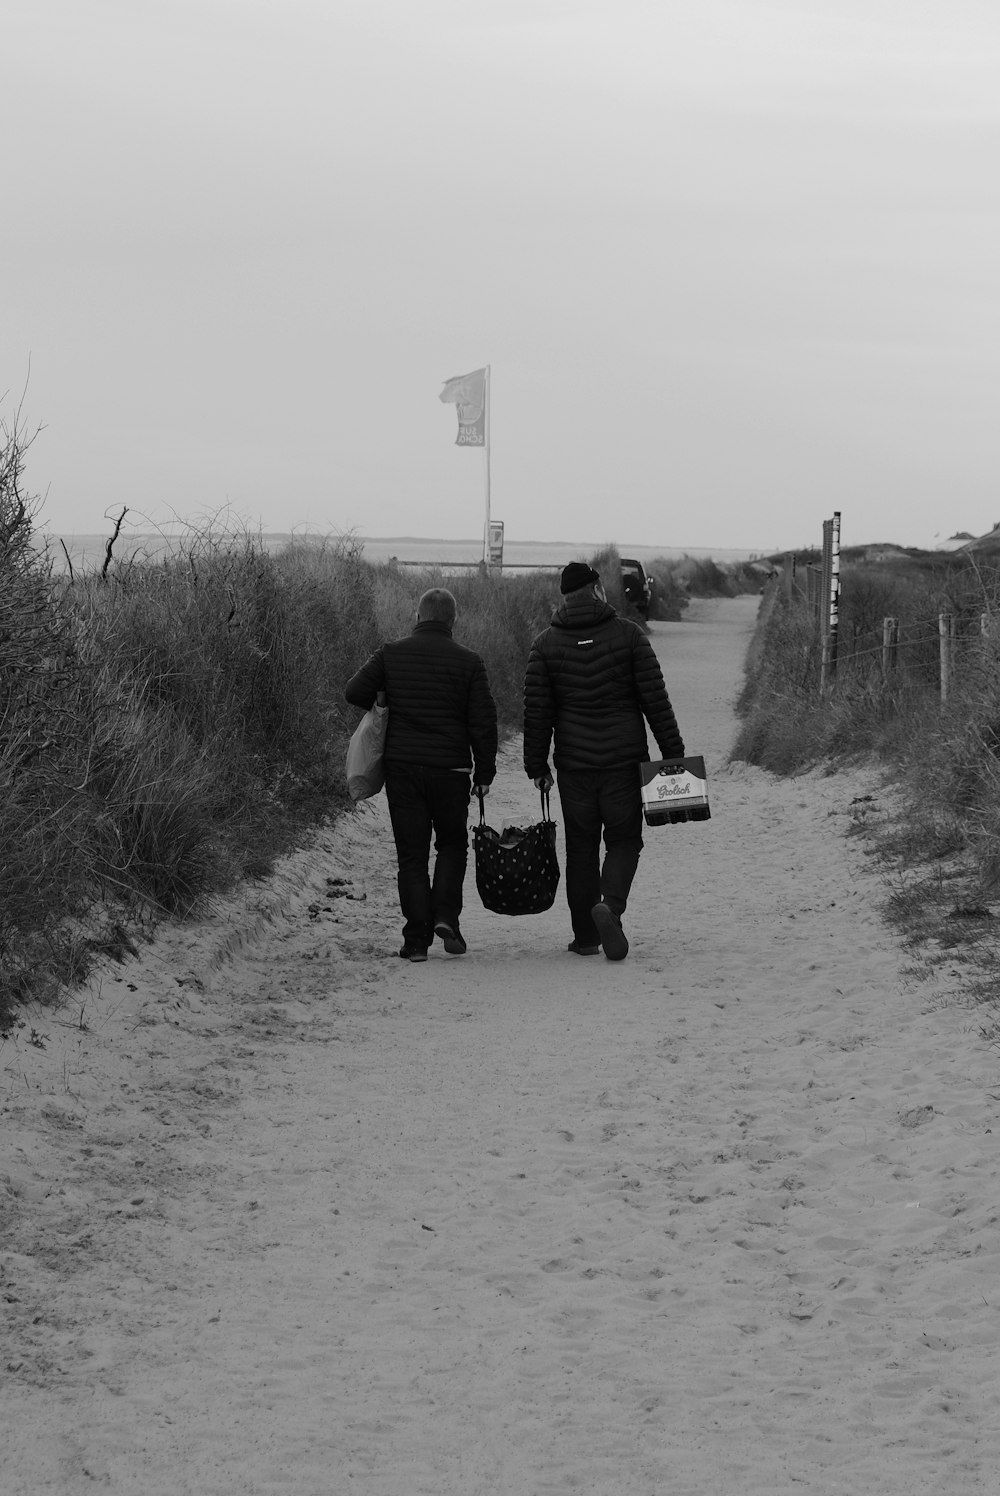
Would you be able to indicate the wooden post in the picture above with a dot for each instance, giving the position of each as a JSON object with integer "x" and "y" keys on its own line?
{"x": 830, "y": 601}
{"x": 834, "y": 598}
{"x": 890, "y": 645}
{"x": 946, "y": 635}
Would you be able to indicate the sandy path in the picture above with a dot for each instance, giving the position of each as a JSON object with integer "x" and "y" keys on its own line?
{"x": 721, "y": 1219}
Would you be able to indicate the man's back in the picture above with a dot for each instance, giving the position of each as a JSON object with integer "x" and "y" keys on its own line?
{"x": 594, "y": 682}
{"x": 442, "y": 719}
{"x": 440, "y": 704}
{"x": 591, "y": 679}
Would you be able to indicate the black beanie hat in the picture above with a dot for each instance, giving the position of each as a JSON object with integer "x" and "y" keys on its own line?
{"x": 577, "y": 574}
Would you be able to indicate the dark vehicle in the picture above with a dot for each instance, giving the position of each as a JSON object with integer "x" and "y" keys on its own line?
{"x": 637, "y": 586}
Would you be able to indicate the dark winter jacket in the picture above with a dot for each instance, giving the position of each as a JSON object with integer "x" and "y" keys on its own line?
{"x": 593, "y": 681}
{"x": 441, "y": 709}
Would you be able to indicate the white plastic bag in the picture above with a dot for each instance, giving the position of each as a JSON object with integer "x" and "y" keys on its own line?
{"x": 364, "y": 768}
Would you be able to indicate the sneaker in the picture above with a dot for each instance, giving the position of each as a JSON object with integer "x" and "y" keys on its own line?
{"x": 610, "y": 932}
{"x": 579, "y": 949}
{"x": 414, "y": 953}
{"x": 451, "y": 937}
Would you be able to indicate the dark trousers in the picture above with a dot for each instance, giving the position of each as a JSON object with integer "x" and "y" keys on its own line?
{"x": 596, "y": 800}
{"x": 425, "y": 802}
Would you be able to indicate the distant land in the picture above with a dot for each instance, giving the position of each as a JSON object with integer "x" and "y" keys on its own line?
{"x": 87, "y": 552}
{"x": 526, "y": 553}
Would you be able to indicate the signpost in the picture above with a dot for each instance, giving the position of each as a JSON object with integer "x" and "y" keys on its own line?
{"x": 830, "y": 617}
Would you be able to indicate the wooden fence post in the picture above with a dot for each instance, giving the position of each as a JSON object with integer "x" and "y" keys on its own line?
{"x": 946, "y": 636}
{"x": 830, "y": 601}
{"x": 890, "y": 645}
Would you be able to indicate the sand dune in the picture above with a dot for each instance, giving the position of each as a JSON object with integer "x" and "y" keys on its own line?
{"x": 286, "y": 1213}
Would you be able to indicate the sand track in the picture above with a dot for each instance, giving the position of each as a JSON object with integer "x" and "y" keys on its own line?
{"x": 281, "y": 1212}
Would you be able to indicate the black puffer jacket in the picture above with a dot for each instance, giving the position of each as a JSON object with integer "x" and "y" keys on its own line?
{"x": 441, "y": 710}
{"x": 593, "y": 681}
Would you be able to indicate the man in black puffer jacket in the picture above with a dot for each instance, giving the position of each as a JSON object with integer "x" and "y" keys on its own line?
{"x": 592, "y": 683}
{"x": 442, "y": 723}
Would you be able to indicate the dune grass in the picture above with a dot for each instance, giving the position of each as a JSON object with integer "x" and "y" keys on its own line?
{"x": 940, "y": 844}
{"x": 677, "y": 579}
{"x": 170, "y": 726}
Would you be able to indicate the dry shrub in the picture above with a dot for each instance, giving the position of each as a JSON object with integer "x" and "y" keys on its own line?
{"x": 247, "y": 651}
{"x": 706, "y": 578}
{"x": 669, "y": 596}
{"x": 780, "y": 719}
{"x": 677, "y": 579}
{"x": 951, "y": 762}
{"x": 159, "y": 810}
{"x": 44, "y": 875}
{"x": 608, "y": 562}
{"x": 945, "y": 757}
{"x": 165, "y": 727}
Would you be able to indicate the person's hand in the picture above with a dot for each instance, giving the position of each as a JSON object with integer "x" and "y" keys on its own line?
{"x": 481, "y": 789}
{"x": 544, "y": 782}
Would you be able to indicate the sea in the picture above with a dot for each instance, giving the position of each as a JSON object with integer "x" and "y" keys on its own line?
{"x": 88, "y": 552}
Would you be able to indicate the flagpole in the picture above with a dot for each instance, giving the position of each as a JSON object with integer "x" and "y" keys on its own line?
{"x": 486, "y": 526}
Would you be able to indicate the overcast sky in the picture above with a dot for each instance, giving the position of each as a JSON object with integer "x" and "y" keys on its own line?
{"x": 734, "y": 264}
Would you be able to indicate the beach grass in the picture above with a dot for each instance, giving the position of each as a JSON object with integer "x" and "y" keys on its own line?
{"x": 171, "y": 724}
{"x": 938, "y": 830}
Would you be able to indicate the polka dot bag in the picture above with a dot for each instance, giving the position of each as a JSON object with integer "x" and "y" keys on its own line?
{"x": 517, "y": 871}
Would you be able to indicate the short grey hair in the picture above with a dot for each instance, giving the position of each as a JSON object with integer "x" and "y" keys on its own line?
{"x": 437, "y": 605}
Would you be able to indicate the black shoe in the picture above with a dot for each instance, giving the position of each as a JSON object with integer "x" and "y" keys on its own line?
{"x": 414, "y": 953}
{"x": 610, "y": 932}
{"x": 579, "y": 949}
{"x": 451, "y": 937}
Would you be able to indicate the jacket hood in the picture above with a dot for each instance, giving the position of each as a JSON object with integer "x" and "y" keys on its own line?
{"x": 582, "y": 613}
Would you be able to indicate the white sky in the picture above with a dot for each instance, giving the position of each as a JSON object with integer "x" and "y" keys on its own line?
{"x": 734, "y": 264}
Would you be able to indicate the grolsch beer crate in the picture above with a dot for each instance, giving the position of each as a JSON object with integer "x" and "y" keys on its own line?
{"x": 674, "y": 790}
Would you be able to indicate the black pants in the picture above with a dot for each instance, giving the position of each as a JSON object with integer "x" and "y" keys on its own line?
{"x": 425, "y": 802}
{"x": 596, "y": 800}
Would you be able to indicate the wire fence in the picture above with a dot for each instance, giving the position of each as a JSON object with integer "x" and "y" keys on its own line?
{"x": 944, "y": 632}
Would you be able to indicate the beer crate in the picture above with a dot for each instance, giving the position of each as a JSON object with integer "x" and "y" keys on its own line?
{"x": 674, "y": 790}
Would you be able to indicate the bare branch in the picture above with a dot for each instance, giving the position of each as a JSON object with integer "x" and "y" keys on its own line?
{"x": 111, "y": 542}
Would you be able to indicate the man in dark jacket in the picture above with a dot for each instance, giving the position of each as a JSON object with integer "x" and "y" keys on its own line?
{"x": 442, "y": 723}
{"x": 592, "y": 683}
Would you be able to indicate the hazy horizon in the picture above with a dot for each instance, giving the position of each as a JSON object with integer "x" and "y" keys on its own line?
{"x": 89, "y": 550}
